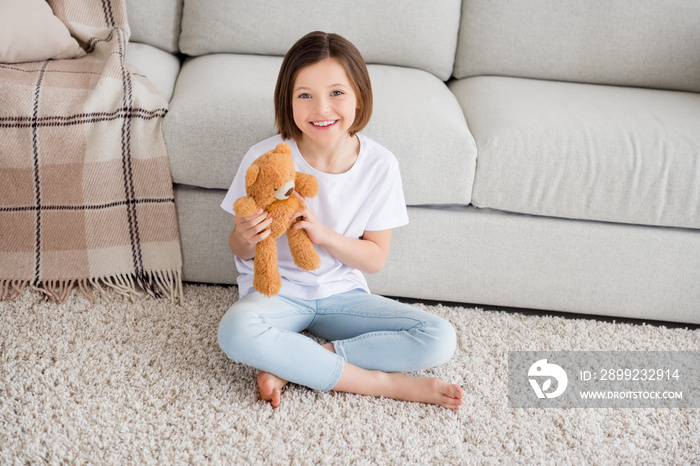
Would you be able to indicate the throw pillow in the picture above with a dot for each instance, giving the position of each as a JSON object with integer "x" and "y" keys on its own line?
{"x": 29, "y": 31}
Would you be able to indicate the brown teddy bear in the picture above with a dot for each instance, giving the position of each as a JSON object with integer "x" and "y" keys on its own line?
{"x": 271, "y": 183}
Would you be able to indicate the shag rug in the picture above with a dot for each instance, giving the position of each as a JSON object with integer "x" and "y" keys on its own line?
{"x": 143, "y": 381}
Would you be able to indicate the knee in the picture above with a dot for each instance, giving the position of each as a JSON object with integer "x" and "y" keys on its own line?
{"x": 234, "y": 335}
{"x": 443, "y": 339}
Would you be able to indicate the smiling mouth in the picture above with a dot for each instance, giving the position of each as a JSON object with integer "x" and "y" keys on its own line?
{"x": 324, "y": 123}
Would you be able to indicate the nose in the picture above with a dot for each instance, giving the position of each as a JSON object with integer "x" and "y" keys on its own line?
{"x": 322, "y": 105}
{"x": 285, "y": 191}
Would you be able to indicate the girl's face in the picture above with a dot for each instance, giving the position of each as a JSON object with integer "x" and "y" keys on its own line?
{"x": 324, "y": 103}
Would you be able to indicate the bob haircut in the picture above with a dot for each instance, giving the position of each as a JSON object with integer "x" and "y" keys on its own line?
{"x": 310, "y": 49}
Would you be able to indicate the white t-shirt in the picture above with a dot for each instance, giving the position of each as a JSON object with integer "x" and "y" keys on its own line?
{"x": 368, "y": 197}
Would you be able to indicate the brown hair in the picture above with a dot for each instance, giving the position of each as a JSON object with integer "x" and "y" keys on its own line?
{"x": 310, "y": 49}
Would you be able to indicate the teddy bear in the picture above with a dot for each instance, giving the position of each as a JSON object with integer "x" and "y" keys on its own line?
{"x": 272, "y": 183}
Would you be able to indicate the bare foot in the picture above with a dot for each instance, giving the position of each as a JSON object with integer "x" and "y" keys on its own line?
{"x": 270, "y": 387}
{"x": 430, "y": 390}
{"x": 400, "y": 386}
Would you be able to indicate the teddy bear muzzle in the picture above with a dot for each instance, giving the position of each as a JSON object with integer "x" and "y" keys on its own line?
{"x": 285, "y": 191}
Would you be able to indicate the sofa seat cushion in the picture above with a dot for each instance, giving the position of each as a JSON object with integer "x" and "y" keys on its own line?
{"x": 161, "y": 68}
{"x": 223, "y": 105}
{"x": 584, "y": 151}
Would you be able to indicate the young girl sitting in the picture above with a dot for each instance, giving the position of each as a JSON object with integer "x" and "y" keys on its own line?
{"x": 323, "y": 98}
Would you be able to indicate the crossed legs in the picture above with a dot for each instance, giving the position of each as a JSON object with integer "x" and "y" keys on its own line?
{"x": 374, "y": 340}
{"x": 396, "y": 385}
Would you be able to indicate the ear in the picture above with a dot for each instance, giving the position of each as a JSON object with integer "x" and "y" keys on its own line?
{"x": 284, "y": 148}
{"x": 251, "y": 175}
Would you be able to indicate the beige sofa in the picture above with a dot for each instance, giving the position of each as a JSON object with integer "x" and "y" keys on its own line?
{"x": 550, "y": 153}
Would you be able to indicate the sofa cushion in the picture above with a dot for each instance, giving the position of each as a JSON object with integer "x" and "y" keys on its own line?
{"x": 585, "y": 151}
{"x": 418, "y": 119}
{"x": 155, "y": 22}
{"x": 649, "y": 44}
{"x": 223, "y": 105}
{"x": 29, "y": 31}
{"x": 161, "y": 68}
{"x": 505, "y": 259}
{"x": 410, "y": 33}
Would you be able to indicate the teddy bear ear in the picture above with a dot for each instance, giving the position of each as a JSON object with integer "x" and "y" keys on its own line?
{"x": 251, "y": 175}
{"x": 284, "y": 148}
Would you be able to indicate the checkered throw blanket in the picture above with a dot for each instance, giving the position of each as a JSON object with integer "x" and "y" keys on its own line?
{"x": 86, "y": 196}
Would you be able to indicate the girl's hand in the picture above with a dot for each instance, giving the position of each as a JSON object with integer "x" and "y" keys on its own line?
{"x": 317, "y": 231}
{"x": 248, "y": 232}
{"x": 253, "y": 228}
{"x": 368, "y": 253}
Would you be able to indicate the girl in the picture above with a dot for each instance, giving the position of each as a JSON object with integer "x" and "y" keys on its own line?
{"x": 323, "y": 98}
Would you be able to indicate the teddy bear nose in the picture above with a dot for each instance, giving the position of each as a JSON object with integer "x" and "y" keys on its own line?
{"x": 285, "y": 191}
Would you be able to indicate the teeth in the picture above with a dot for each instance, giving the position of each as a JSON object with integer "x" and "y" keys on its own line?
{"x": 323, "y": 123}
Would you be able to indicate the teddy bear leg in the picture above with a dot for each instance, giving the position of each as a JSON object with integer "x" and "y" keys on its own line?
{"x": 303, "y": 252}
{"x": 266, "y": 279}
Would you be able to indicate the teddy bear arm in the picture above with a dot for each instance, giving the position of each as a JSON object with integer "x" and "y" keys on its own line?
{"x": 306, "y": 184}
{"x": 245, "y": 206}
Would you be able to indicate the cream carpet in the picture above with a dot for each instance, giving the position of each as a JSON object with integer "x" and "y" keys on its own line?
{"x": 144, "y": 382}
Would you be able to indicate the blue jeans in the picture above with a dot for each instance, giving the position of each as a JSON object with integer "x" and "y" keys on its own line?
{"x": 368, "y": 331}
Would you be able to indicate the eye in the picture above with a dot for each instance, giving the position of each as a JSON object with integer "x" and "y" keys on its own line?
{"x": 337, "y": 93}
{"x": 304, "y": 96}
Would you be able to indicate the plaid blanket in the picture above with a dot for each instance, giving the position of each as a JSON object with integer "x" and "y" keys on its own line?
{"x": 86, "y": 195}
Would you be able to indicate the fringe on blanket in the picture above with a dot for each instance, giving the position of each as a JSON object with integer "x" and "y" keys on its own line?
{"x": 157, "y": 284}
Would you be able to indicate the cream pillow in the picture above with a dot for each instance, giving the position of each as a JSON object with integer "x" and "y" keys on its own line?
{"x": 29, "y": 31}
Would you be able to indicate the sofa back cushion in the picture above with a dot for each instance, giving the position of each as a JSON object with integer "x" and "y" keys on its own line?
{"x": 586, "y": 152}
{"x": 618, "y": 42}
{"x": 412, "y": 33}
{"x": 155, "y": 22}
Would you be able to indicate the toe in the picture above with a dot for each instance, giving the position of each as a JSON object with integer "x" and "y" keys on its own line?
{"x": 451, "y": 403}
{"x": 276, "y": 398}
